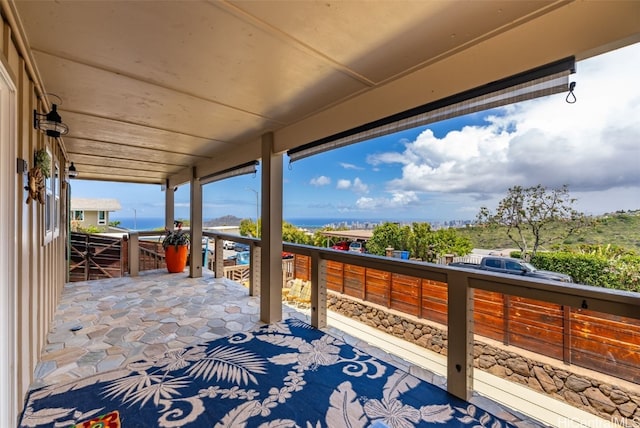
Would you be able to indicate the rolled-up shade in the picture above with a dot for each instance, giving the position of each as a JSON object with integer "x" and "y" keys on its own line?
{"x": 542, "y": 81}
{"x": 245, "y": 168}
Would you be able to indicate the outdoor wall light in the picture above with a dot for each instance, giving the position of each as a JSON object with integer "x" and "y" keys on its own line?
{"x": 73, "y": 173}
{"x": 50, "y": 123}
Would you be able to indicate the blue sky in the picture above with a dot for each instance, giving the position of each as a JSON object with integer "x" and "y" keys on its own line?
{"x": 448, "y": 170}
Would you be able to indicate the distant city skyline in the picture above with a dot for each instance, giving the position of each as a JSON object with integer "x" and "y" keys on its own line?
{"x": 448, "y": 170}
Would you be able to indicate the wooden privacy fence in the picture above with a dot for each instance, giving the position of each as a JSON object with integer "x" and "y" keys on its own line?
{"x": 605, "y": 343}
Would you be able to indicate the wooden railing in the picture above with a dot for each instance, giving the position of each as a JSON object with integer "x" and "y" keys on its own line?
{"x": 499, "y": 306}
{"x": 238, "y": 273}
{"x": 605, "y": 343}
{"x": 528, "y": 313}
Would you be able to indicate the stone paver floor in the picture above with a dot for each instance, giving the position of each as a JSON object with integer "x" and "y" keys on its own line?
{"x": 102, "y": 325}
{"x": 106, "y": 324}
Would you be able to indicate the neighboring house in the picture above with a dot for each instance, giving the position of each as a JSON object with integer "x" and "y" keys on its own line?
{"x": 89, "y": 213}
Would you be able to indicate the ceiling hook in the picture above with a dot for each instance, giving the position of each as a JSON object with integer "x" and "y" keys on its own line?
{"x": 571, "y": 97}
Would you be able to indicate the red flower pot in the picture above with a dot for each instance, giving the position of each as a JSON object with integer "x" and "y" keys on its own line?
{"x": 176, "y": 257}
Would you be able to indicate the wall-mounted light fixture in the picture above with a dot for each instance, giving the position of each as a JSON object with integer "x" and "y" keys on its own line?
{"x": 21, "y": 166}
{"x": 50, "y": 123}
{"x": 72, "y": 172}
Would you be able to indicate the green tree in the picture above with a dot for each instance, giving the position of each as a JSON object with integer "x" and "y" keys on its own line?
{"x": 421, "y": 241}
{"x": 290, "y": 233}
{"x": 448, "y": 241}
{"x": 114, "y": 223}
{"x": 248, "y": 227}
{"x": 387, "y": 235}
{"x": 527, "y": 214}
{"x": 320, "y": 240}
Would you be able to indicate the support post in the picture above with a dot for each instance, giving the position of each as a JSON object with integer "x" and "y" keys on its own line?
{"x": 195, "y": 229}
{"x": 459, "y": 336}
{"x": 271, "y": 266}
{"x": 134, "y": 254}
{"x": 219, "y": 257}
{"x": 169, "y": 209}
{"x": 318, "y": 291}
{"x": 254, "y": 271}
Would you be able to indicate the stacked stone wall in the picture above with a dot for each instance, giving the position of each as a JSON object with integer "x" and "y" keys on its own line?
{"x": 601, "y": 398}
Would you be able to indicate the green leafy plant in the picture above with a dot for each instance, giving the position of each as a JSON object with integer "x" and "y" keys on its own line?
{"x": 42, "y": 160}
{"x": 176, "y": 238}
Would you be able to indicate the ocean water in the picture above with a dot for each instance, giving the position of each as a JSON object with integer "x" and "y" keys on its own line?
{"x": 139, "y": 223}
{"x": 316, "y": 223}
{"x": 307, "y": 223}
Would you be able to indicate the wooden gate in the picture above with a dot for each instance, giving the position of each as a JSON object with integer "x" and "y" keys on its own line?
{"x": 95, "y": 257}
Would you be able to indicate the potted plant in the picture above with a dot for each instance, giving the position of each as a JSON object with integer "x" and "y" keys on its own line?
{"x": 176, "y": 249}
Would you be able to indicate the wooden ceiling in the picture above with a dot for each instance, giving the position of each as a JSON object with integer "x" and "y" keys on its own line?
{"x": 151, "y": 89}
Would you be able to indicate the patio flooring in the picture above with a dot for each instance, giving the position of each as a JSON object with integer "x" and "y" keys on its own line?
{"x": 106, "y": 324}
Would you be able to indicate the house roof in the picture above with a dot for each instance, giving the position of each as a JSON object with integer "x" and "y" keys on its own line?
{"x": 86, "y": 204}
{"x": 166, "y": 91}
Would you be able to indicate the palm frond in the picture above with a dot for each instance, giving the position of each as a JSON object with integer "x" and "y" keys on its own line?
{"x": 128, "y": 386}
{"x": 229, "y": 364}
{"x": 166, "y": 389}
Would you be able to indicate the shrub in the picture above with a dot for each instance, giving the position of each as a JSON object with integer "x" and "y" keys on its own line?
{"x": 621, "y": 272}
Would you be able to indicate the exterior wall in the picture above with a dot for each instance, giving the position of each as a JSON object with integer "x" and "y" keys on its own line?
{"x": 90, "y": 220}
{"x": 40, "y": 267}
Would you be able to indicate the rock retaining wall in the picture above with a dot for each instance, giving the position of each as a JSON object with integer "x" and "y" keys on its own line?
{"x": 600, "y": 398}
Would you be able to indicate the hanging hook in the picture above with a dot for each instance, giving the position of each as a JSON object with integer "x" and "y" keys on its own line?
{"x": 571, "y": 97}
{"x": 54, "y": 95}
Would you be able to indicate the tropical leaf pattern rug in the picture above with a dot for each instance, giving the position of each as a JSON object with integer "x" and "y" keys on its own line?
{"x": 285, "y": 374}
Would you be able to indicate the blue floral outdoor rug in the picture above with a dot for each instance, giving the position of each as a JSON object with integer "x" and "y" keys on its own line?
{"x": 286, "y": 374}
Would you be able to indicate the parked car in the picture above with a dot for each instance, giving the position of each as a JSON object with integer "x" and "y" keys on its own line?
{"x": 356, "y": 247}
{"x": 513, "y": 266}
{"x": 342, "y": 245}
{"x": 228, "y": 245}
{"x": 207, "y": 245}
{"x": 242, "y": 258}
{"x": 239, "y": 246}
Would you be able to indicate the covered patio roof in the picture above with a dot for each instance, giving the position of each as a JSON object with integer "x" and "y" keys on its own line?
{"x": 349, "y": 234}
{"x": 164, "y": 91}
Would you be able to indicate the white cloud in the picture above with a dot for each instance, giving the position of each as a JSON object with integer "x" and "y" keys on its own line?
{"x": 320, "y": 181}
{"x": 358, "y": 186}
{"x": 343, "y": 184}
{"x": 396, "y": 201}
{"x": 350, "y": 166}
{"x": 593, "y": 145}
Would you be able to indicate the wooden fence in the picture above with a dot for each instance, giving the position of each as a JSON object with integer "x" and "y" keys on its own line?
{"x": 605, "y": 343}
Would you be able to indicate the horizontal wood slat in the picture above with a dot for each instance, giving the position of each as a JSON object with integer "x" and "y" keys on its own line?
{"x": 610, "y": 344}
